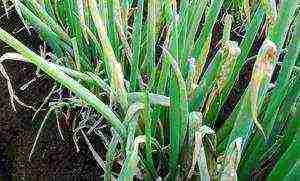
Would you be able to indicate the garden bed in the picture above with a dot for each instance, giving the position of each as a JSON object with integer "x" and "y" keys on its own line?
{"x": 144, "y": 111}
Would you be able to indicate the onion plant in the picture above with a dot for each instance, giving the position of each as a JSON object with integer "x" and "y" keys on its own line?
{"x": 151, "y": 73}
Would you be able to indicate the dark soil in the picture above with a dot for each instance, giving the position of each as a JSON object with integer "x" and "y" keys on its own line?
{"x": 53, "y": 157}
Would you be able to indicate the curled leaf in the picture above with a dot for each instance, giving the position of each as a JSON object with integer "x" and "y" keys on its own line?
{"x": 232, "y": 159}
{"x": 199, "y": 153}
{"x": 263, "y": 70}
{"x": 130, "y": 165}
{"x": 133, "y": 109}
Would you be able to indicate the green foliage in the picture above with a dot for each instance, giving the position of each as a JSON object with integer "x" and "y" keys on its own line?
{"x": 148, "y": 68}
